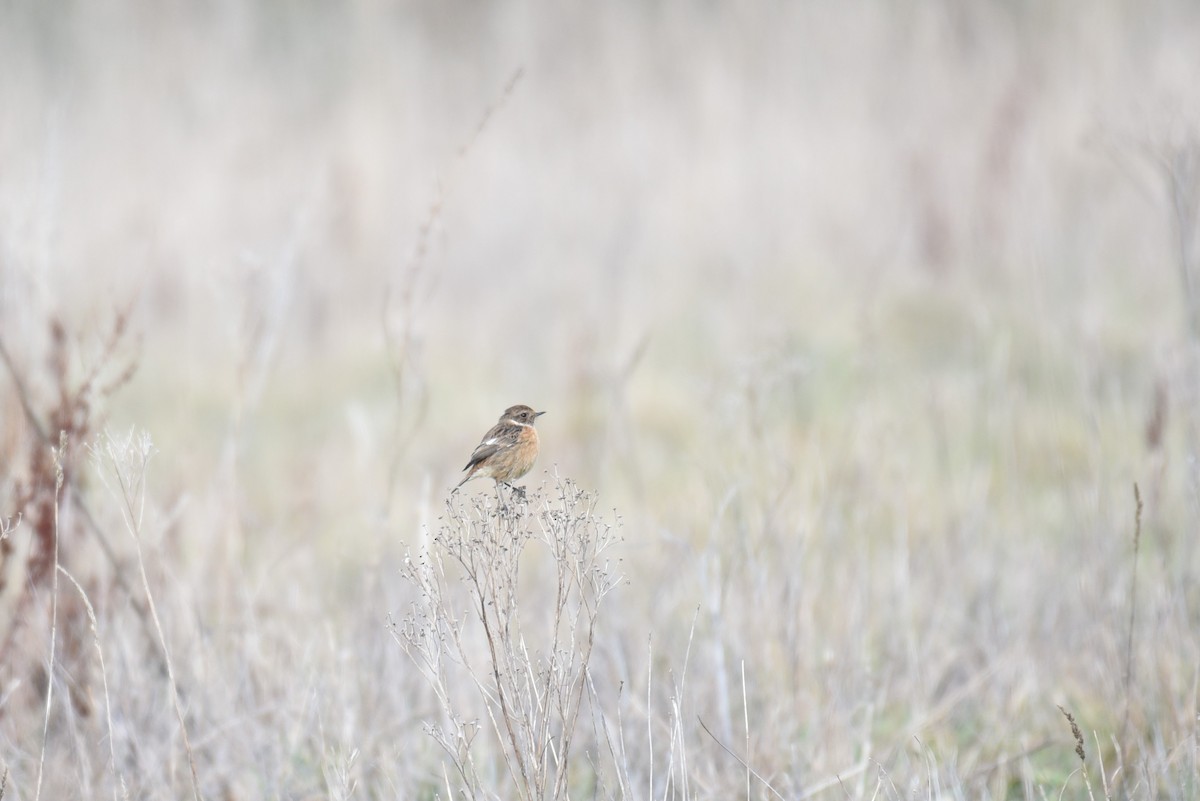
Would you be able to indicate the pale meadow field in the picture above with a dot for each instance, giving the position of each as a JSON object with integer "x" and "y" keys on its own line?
{"x": 858, "y": 322}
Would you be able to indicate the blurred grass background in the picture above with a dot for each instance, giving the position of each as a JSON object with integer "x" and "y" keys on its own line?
{"x": 862, "y": 316}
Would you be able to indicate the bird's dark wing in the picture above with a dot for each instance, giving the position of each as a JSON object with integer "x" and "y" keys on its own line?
{"x": 501, "y": 436}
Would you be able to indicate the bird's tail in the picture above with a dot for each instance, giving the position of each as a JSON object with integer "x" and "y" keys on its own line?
{"x": 466, "y": 478}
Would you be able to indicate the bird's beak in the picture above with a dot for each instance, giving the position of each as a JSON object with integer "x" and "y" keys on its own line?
{"x": 539, "y": 414}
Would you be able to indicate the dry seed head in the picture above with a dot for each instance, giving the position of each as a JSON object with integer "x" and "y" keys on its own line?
{"x": 1078, "y": 735}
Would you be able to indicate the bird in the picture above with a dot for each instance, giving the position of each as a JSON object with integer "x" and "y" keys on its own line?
{"x": 508, "y": 450}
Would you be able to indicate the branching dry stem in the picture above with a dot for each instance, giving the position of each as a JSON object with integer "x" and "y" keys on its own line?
{"x": 532, "y": 698}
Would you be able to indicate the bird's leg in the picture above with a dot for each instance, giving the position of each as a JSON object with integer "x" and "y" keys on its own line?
{"x": 513, "y": 490}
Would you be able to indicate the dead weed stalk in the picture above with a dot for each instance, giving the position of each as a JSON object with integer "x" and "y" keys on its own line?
{"x": 528, "y": 669}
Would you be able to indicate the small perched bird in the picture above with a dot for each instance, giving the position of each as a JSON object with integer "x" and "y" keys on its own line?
{"x": 508, "y": 450}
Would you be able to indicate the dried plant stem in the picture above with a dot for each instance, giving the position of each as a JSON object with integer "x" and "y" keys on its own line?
{"x": 166, "y": 654}
{"x": 91, "y": 612}
{"x": 127, "y": 463}
{"x": 1181, "y": 165}
{"x": 58, "y": 484}
{"x": 1079, "y": 752}
{"x": 746, "y": 722}
{"x": 399, "y": 301}
{"x": 22, "y": 393}
{"x": 1137, "y": 539}
{"x": 77, "y": 498}
{"x": 531, "y": 699}
{"x": 649, "y": 706}
{"x": 743, "y": 762}
{"x": 501, "y": 695}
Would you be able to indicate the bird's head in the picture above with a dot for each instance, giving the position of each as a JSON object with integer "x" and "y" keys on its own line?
{"x": 522, "y": 415}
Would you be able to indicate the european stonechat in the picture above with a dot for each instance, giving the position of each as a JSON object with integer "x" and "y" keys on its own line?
{"x": 508, "y": 450}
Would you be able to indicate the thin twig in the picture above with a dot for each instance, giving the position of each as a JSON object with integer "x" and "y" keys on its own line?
{"x": 399, "y": 344}
{"x": 1137, "y": 539}
{"x": 746, "y": 723}
{"x": 744, "y": 763}
{"x": 983, "y": 770}
{"x": 91, "y": 613}
{"x": 650, "y": 709}
{"x": 133, "y": 520}
{"x": 22, "y": 393}
{"x": 58, "y": 485}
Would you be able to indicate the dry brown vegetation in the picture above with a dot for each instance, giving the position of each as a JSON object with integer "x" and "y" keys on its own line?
{"x": 857, "y": 324}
